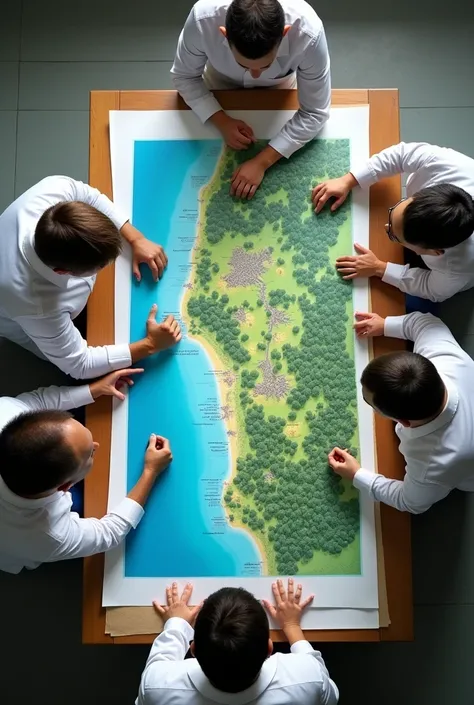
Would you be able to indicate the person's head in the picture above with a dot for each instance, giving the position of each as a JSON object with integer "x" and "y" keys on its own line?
{"x": 404, "y": 386}
{"x": 254, "y": 30}
{"x": 44, "y": 451}
{"x": 231, "y": 639}
{"x": 433, "y": 220}
{"x": 75, "y": 238}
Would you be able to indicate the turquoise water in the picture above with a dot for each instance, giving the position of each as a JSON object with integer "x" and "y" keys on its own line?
{"x": 184, "y": 532}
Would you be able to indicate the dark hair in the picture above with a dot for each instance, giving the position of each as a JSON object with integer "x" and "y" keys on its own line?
{"x": 231, "y": 639}
{"x": 404, "y": 385}
{"x": 254, "y": 27}
{"x": 439, "y": 217}
{"x": 33, "y": 455}
{"x": 76, "y": 237}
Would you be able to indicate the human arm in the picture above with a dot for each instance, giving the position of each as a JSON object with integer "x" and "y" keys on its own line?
{"x": 406, "y": 495}
{"x": 86, "y": 537}
{"x": 187, "y": 71}
{"x": 61, "y": 342}
{"x": 314, "y": 97}
{"x": 431, "y": 337}
{"x": 402, "y": 158}
{"x": 72, "y": 190}
{"x": 287, "y": 612}
{"x": 428, "y": 284}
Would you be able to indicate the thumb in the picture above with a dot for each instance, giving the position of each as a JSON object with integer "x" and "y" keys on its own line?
{"x": 152, "y": 441}
{"x": 360, "y": 316}
{"x": 359, "y": 248}
{"x": 153, "y": 312}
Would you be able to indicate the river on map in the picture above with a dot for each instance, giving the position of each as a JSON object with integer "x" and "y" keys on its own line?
{"x": 184, "y": 532}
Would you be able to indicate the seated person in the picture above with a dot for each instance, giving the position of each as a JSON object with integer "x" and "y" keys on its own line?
{"x": 232, "y": 649}
{"x": 255, "y": 44}
{"x": 55, "y": 239}
{"x": 430, "y": 395}
{"x": 43, "y": 452}
{"x": 435, "y": 220}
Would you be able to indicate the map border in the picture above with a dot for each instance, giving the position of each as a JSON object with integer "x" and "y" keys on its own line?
{"x": 125, "y": 127}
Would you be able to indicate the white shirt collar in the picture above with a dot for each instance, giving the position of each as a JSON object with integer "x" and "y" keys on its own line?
{"x": 23, "y": 502}
{"x": 204, "y": 687}
{"x": 444, "y": 418}
{"x": 60, "y": 280}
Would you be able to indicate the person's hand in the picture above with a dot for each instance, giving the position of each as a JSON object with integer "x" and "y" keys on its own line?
{"x": 111, "y": 384}
{"x": 334, "y": 188}
{"x": 288, "y": 607}
{"x": 157, "y": 455}
{"x": 343, "y": 463}
{"x": 368, "y": 325}
{"x": 236, "y": 133}
{"x": 364, "y": 264}
{"x": 147, "y": 252}
{"x": 162, "y": 335}
{"x": 177, "y": 606}
{"x": 247, "y": 178}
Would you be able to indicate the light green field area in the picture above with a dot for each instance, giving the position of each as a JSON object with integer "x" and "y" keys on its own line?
{"x": 266, "y": 297}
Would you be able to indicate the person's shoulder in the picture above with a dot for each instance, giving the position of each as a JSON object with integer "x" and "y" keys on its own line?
{"x": 210, "y": 10}
{"x": 300, "y": 15}
{"x": 295, "y": 668}
{"x": 10, "y": 408}
{"x": 169, "y": 675}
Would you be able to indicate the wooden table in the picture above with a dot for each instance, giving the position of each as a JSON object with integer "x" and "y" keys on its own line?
{"x": 386, "y": 300}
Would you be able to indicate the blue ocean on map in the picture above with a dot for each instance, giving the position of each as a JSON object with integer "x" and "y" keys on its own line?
{"x": 184, "y": 532}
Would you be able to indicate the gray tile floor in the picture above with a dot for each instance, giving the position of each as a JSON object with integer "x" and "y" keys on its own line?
{"x": 51, "y": 55}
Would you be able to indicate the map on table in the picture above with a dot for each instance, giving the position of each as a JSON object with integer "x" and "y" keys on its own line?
{"x": 262, "y": 386}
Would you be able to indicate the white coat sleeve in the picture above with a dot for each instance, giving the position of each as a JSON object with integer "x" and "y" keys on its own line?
{"x": 314, "y": 94}
{"x": 77, "y": 538}
{"x": 329, "y": 694}
{"x": 425, "y": 283}
{"x": 406, "y": 495}
{"x": 56, "y": 398}
{"x": 431, "y": 337}
{"x": 61, "y": 342}
{"x": 171, "y": 645}
{"x": 402, "y": 158}
{"x": 187, "y": 71}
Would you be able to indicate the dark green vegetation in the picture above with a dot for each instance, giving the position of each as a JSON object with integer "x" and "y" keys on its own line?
{"x": 283, "y": 488}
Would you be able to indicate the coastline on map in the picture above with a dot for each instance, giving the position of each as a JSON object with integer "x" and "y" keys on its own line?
{"x": 226, "y": 393}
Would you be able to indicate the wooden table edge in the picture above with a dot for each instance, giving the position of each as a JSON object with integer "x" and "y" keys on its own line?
{"x": 386, "y": 300}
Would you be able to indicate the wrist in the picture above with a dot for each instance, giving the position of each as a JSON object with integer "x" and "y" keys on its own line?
{"x": 293, "y": 632}
{"x": 267, "y": 157}
{"x": 351, "y": 181}
{"x": 131, "y": 234}
{"x": 380, "y": 268}
{"x": 149, "y": 346}
{"x": 219, "y": 119}
{"x": 95, "y": 390}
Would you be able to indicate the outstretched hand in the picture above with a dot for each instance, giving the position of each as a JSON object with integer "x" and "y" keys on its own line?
{"x": 177, "y": 606}
{"x": 111, "y": 384}
{"x": 162, "y": 335}
{"x": 289, "y": 607}
{"x": 364, "y": 264}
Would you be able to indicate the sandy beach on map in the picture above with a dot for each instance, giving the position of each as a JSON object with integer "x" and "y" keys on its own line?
{"x": 222, "y": 372}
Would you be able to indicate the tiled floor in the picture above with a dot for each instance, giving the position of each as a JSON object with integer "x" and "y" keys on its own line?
{"x": 51, "y": 55}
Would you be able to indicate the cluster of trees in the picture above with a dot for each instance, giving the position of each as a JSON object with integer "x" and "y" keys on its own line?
{"x": 296, "y": 503}
{"x": 215, "y": 316}
{"x": 279, "y": 297}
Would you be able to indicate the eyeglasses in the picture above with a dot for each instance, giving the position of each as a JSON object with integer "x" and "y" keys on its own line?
{"x": 390, "y": 234}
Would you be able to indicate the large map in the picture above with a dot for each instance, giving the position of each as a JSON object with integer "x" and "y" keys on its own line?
{"x": 263, "y": 384}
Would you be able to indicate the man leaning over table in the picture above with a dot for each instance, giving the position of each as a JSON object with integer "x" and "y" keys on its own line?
{"x": 54, "y": 240}
{"x": 435, "y": 220}
{"x": 429, "y": 393}
{"x": 255, "y": 44}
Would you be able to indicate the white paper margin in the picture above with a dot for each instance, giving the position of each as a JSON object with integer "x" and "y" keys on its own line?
{"x": 342, "y": 602}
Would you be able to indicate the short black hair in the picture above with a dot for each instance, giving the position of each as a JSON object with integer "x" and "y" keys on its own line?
{"x": 404, "y": 385}
{"x": 231, "y": 639}
{"x": 254, "y": 27}
{"x": 76, "y": 237}
{"x": 439, "y": 217}
{"x": 33, "y": 455}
